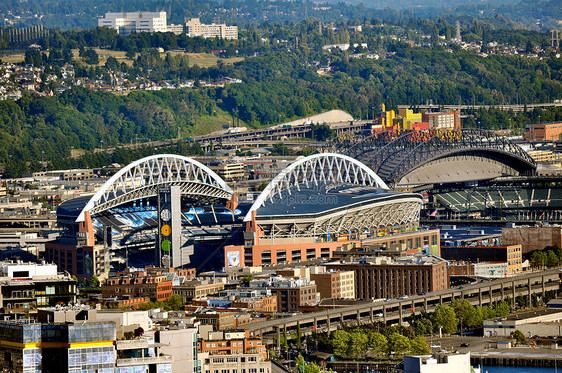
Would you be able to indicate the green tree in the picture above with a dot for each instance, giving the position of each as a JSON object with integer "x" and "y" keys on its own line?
{"x": 298, "y": 336}
{"x": 304, "y": 367}
{"x": 175, "y": 302}
{"x": 444, "y": 317}
{"x": 284, "y": 342}
{"x": 519, "y": 337}
{"x": 502, "y": 309}
{"x": 398, "y": 344}
{"x": 340, "y": 343}
{"x": 552, "y": 260}
{"x": 419, "y": 346}
{"x": 95, "y": 282}
{"x": 538, "y": 259}
{"x": 378, "y": 343}
{"x": 467, "y": 313}
{"x": 358, "y": 344}
{"x": 321, "y": 132}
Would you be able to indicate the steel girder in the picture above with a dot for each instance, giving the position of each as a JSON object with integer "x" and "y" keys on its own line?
{"x": 314, "y": 169}
{"x": 358, "y": 220}
{"x": 143, "y": 177}
{"x": 392, "y": 156}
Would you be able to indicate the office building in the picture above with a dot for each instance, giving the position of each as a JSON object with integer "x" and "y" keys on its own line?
{"x": 257, "y": 300}
{"x": 127, "y": 23}
{"x": 382, "y": 278}
{"x": 27, "y": 286}
{"x": 501, "y": 261}
{"x": 330, "y": 284}
{"x": 27, "y": 346}
{"x": 194, "y": 27}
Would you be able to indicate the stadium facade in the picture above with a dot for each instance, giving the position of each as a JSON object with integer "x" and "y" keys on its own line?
{"x": 312, "y": 209}
{"x": 317, "y": 206}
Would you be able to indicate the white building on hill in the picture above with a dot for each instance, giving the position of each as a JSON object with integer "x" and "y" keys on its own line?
{"x": 194, "y": 27}
{"x": 128, "y": 22}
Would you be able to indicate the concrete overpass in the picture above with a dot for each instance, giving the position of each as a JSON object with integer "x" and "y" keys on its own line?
{"x": 397, "y": 310}
{"x": 516, "y": 108}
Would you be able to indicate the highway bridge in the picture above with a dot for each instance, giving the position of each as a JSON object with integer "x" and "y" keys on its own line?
{"x": 27, "y": 223}
{"x": 516, "y": 107}
{"x": 397, "y": 310}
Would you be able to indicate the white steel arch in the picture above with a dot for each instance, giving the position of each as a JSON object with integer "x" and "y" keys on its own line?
{"x": 322, "y": 167}
{"x": 142, "y": 178}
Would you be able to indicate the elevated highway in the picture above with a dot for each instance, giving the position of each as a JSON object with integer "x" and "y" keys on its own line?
{"x": 516, "y": 108}
{"x": 397, "y": 310}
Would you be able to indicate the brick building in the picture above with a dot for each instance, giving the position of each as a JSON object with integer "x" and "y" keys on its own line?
{"x": 75, "y": 251}
{"x": 218, "y": 320}
{"x": 232, "y": 342}
{"x": 511, "y": 255}
{"x": 258, "y": 300}
{"x": 335, "y": 284}
{"x": 384, "y": 278}
{"x": 330, "y": 284}
{"x": 138, "y": 284}
{"x": 532, "y": 238}
{"x": 544, "y": 131}
{"x": 291, "y": 294}
{"x": 197, "y": 289}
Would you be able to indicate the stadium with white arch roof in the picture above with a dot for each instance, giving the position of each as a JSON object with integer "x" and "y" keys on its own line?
{"x": 324, "y": 197}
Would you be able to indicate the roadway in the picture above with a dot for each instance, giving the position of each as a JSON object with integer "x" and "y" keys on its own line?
{"x": 516, "y": 108}
{"x": 397, "y": 310}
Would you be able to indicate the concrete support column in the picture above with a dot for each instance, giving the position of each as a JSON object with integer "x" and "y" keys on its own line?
{"x": 400, "y": 313}
{"x": 502, "y": 291}
{"x": 512, "y": 293}
{"x": 543, "y": 286}
{"x": 440, "y": 299}
{"x": 371, "y": 315}
{"x": 384, "y": 314}
{"x": 529, "y": 292}
{"x": 358, "y": 318}
{"x": 328, "y": 322}
{"x": 341, "y": 319}
{"x": 278, "y": 338}
{"x": 491, "y": 295}
{"x": 425, "y": 304}
{"x": 480, "y": 297}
